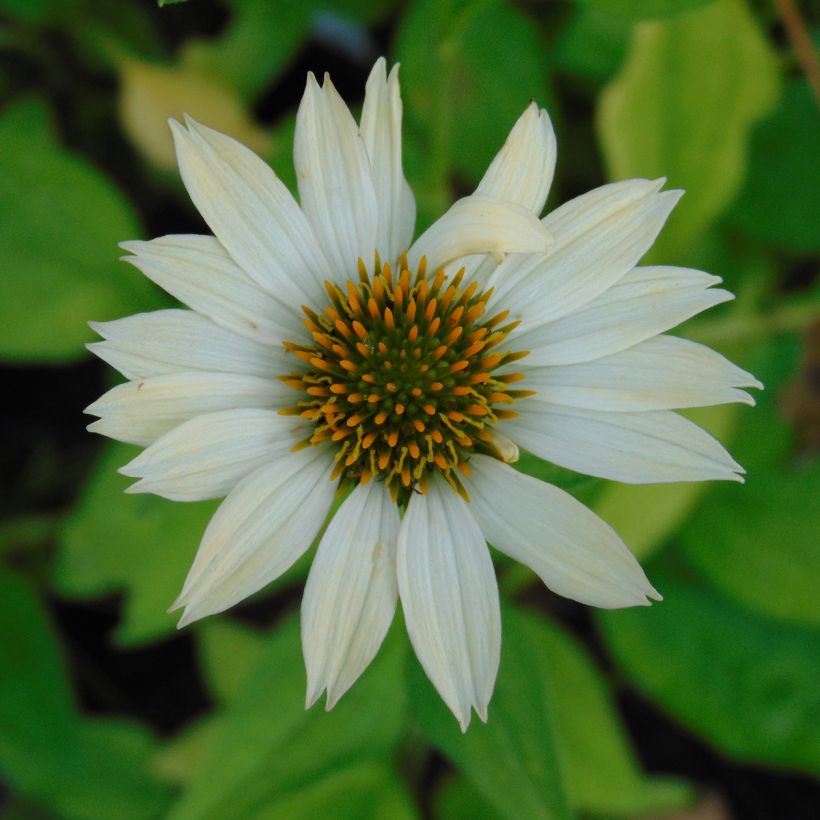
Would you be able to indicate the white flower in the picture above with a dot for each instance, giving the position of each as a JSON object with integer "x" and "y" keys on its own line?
{"x": 325, "y": 350}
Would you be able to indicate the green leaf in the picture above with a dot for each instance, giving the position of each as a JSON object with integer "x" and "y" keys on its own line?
{"x": 228, "y": 651}
{"x": 592, "y": 43}
{"x": 463, "y": 93}
{"x": 88, "y": 770}
{"x": 643, "y": 9}
{"x": 767, "y": 560}
{"x": 512, "y": 759}
{"x": 261, "y": 39}
{"x": 60, "y": 222}
{"x": 270, "y": 749}
{"x": 364, "y": 791}
{"x": 758, "y": 542}
{"x": 780, "y": 201}
{"x": 29, "y": 10}
{"x": 683, "y": 107}
{"x": 458, "y": 799}
{"x": 181, "y": 757}
{"x": 599, "y": 768}
{"x": 162, "y": 3}
{"x": 139, "y": 544}
{"x": 744, "y": 682}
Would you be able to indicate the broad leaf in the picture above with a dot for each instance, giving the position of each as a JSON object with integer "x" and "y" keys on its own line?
{"x": 228, "y": 651}
{"x": 462, "y": 93}
{"x": 643, "y": 9}
{"x": 60, "y": 222}
{"x": 83, "y": 769}
{"x": 151, "y": 94}
{"x": 780, "y": 201}
{"x": 269, "y": 749}
{"x": 745, "y": 682}
{"x": 600, "y": 772}
{"x": 512, "y": 759}
{"x": 139, "y": 544}
{"x": 758, "y": 542}
{"x": 667, "y": 114}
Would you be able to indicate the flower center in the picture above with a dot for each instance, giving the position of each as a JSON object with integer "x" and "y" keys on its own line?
{"x": 401, "y": 376}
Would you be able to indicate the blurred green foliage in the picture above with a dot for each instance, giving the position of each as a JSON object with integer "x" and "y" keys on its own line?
{"x": 705, "y": 92}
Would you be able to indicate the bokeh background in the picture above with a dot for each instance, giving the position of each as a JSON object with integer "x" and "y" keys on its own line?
{"x": 704, "y": 706}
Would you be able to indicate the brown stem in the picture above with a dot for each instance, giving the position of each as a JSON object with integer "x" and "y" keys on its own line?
{"x": 803, "y": 46}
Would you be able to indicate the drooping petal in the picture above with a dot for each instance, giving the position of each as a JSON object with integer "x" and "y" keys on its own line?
{"x": 269, "y": 519}
{"x": 571, "y": 549}
{"x": 251, "y": 212}
{"x": 207, "y": 456}
{"x": 198, "y": 271}
{"x": 450, "y": 599}
{"x": 652, "y": 447}
{"x": 381, "y": 130}
{"x": 662, "y": 373}
{"x": 334, "y": 178}
{"x": 598, "y": 238}
{"x": 646, "y": 302}
{"x": 351, "y": 591}
{"x": 480, "y": 224}
{"x": 167, "y": 341}
{"x": 522, "y": 170}
{"x": 139, "y": 412}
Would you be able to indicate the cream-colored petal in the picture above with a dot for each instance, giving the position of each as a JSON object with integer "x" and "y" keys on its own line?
{"x": 480, "y": 224}
{"x": 522, "y": 170}
{"x": 381, "y": 130}
{"x": 662, "y": 373}
{"x": 574, "y": 552}
{"x": 450, "y": 599}
{"x": 139, "y": 412}
{"x": 351, "y": 591}
{"x": 252, "y": 213}
{"x": 167, "y": 341}
{"x": 266, "y": 523}
{"x": 599, "y": 237}
{"x": 198, "y": 271}
{"x": 645, "y": 302}
{"x": 652, "y": 447}
{"x": 207, "y": 456}
{"x": 335, "y": 180}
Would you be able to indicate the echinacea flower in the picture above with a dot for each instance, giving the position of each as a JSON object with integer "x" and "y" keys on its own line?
{"x": 325, "y": 352}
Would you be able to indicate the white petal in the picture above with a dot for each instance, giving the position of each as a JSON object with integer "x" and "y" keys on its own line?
{"x": 522, "y": 170}
{"x": 167, "y": 341}
{"x": 208, "y": 455}
{"x": 653, "y": 447}
{"x": 141, "y": 411}
{"x": 381, "y": 130}
{"x": 251, "y": 212}
{"x": 647, "y": 301}
{"x": 450, "y": 599}
{"x": 480, "y": 224}
{"x": 198, "y": 271}
{"x": 350, "y": 595}
{"x": 574, "y": 552}
{"x": 598, "y": 238}
{"x": 259, "y": 530}
{"x": 334, "y": 177}
{"x": 661, "y": 373}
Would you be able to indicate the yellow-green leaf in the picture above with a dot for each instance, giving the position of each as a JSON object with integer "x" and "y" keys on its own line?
{"x": 683, "y": 106}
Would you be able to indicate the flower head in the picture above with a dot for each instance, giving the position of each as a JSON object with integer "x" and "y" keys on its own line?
{"x": 325, "y": 353}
